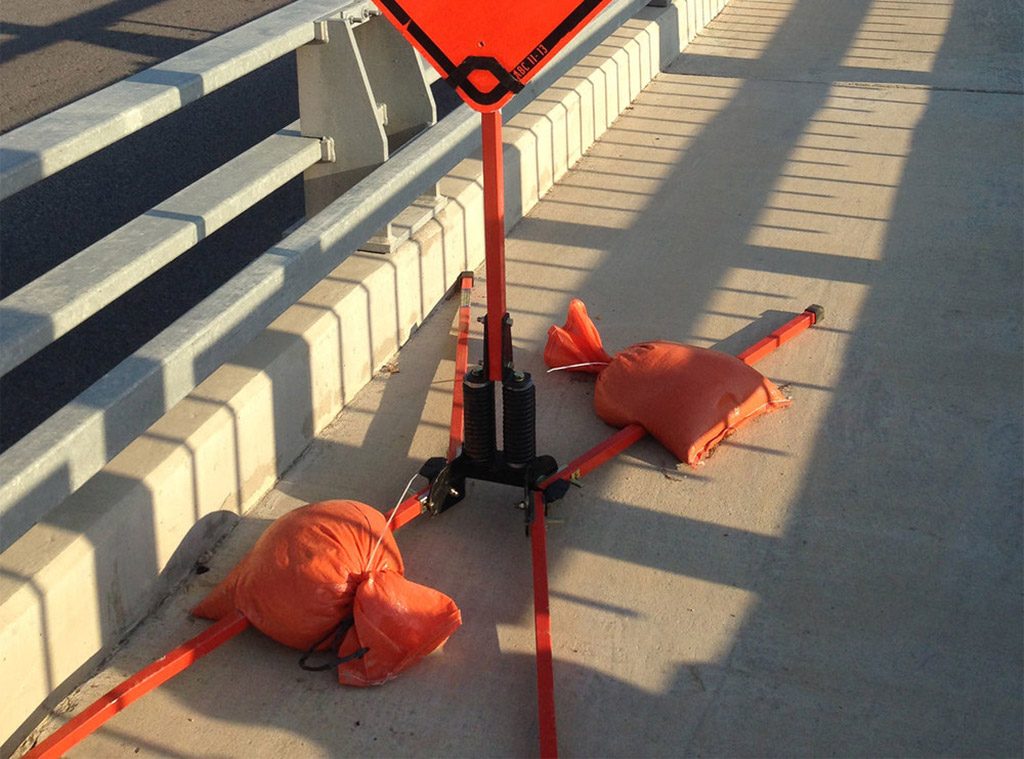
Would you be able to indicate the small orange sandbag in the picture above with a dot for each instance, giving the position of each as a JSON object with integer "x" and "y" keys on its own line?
{"x": 299, "y": 580}
{"x": 687, "y": 398}
{"x": 396, "y": 623}
{"x": 577, "y": 344}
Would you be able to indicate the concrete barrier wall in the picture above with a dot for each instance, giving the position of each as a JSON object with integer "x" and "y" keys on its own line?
{"x": 76, "y": 584}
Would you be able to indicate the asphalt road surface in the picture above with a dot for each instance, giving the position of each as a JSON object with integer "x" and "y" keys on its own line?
{"x": 54, "y": 52}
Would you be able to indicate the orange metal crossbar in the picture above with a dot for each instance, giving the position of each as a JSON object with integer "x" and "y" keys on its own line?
{"x": 779, "y": 337}
{"x": 412, "y": 507}
{"x": 461, "y": 364}
{"x": 139, "y": 685}
{"x": 407, "y": 510}
{"x": 598, "y": 455}
{"x": 542, "y": 625}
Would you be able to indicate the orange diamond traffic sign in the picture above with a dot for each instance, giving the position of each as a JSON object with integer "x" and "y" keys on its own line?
{"x": 488, "y": 49}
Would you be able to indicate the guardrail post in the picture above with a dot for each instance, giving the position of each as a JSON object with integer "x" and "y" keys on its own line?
{"x": 336, "y": 101}
{"x": 397, "y": 77}
{"x": 362, "y": 85}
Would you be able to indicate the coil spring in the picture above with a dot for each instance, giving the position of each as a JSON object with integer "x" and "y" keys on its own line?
{"x": 519, "y": 408}
{"x": 478, "y": 416}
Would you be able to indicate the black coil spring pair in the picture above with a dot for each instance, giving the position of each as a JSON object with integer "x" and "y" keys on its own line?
{"x": 519, "y": 417}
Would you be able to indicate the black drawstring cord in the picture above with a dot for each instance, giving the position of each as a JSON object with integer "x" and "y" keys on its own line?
{"x": 339, "y": 634}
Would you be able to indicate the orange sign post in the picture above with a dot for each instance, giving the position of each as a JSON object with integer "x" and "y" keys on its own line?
{"x": 487, "y": 50}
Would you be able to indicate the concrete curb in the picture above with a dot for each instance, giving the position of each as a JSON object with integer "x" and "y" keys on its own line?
{"x": 72, "y": 587}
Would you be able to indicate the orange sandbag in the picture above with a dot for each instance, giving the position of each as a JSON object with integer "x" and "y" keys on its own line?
{"x": 396, "y": 623}
{"x": 576, "y": 344}
{"x": 687, "y": 398}
{"x": 299, "y": 580}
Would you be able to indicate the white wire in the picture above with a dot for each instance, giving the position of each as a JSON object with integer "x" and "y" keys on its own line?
{"x": 388, "y": 523}
{"x": 577, "y": 366}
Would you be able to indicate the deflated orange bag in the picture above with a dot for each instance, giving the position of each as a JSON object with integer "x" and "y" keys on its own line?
{"x": 577, "y": 344}
{"x": 301, "y": 580}
{"x": 396, "y": 623}
{"x": 687, "y": 398}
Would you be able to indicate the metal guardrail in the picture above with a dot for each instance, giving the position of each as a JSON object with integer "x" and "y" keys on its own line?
{"x": 59, "y": 139}
{"x": 47, "y": 308}
{"x": 60, "y": 455}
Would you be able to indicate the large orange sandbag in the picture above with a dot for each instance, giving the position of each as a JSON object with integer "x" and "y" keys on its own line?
{"x": 687, "y": 398}
{"x": 396, "y": 623}
{"x": 299, "y": 580}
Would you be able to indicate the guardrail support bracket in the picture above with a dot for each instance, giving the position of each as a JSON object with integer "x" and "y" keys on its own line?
{"x": 361, "y": 85}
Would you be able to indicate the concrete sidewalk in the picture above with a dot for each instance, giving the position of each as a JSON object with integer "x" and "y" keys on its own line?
{"x": 841, "y": 578}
